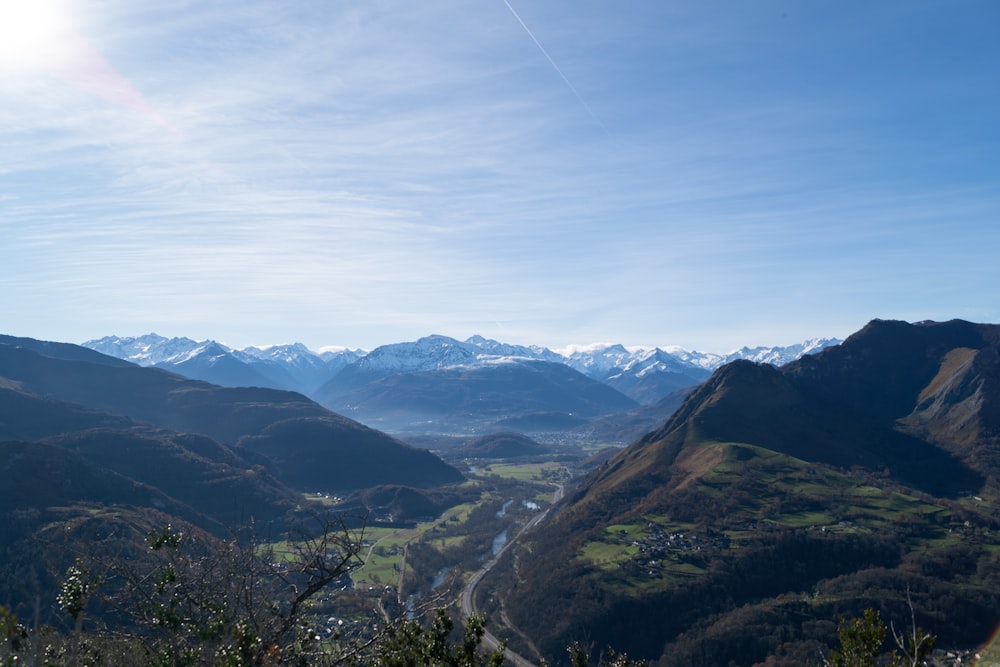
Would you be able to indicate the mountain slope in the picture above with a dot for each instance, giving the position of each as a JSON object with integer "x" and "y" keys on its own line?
{"x": 295, "y": 367}
{"x": 213, "y": 363}
{"x": 174, "y": 403}
{"x": 194, "y": 470}
{"x": 336, "y": 454}
{"x": 217, "y": 486}
{"x": 853, "y": 470}
{"x": 27, "y": 416}
{"x": 629, "y": 426}
{"x": 64, "y": 351}
{"x": 499, "y": 446}
{"x": 38, "y": 476}
{"x": 470, "y": 396}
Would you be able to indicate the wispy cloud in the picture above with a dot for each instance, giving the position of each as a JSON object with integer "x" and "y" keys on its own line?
{"x": 357, "y": 173}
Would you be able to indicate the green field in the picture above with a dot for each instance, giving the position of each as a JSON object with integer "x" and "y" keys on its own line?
{"x": 525, "y": 472}
{"x": 387, "y": 545}
{"x": 606, "y": 555}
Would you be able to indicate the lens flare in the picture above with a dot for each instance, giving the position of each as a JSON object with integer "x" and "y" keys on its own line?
{"x": 32, "y": 33}
{"x": 37, "y": 37}
{"x": 989, "y": 656}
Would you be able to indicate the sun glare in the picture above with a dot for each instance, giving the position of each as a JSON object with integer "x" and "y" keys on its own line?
{"x": 31, "y": 32}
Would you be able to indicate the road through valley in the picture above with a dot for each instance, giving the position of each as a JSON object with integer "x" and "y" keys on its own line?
{"x": 468, "y": 593}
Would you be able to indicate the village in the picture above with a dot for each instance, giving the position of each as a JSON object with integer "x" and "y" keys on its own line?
{"x": 662, "y": 552}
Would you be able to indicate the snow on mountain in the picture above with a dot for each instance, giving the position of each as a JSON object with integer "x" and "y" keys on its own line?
{"x": 643, "y": 373}
{"x": 706, "y": 360}
{"x": 293, "y": 354}
{"x": 494, "y": 348}
{"x": 298, "y": 356}
{"x": 208, "y": 352}
{"x": 425, "y": 354}
{"x": 149, "y": 350}
{"x": 598, "y": 361}
{"x": 779, "y": 356}
{"x": 295, "y": 366}
{"x": 644, "y": 362}
{"x": 437, "y": 352}
{"x": 776, "y": 356}
{"x": 649, "y": 374}
{"x": 607, "y": 361}
{"x": 156, "y": 350}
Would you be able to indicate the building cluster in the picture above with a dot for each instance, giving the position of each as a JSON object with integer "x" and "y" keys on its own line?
{"x": 660, "y": 552}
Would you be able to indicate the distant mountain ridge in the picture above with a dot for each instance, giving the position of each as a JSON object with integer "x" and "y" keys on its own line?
{"x": 468, "y": 398}
{"x": 292, "y": 367}
{"x": 644, "y": 374}
{"x": 438, "y": 383}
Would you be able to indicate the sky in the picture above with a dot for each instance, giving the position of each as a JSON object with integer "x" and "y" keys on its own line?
{"x": 356, "y": 173}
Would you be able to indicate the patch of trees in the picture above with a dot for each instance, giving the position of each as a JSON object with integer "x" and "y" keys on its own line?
{"x": 776, "y": 596}
{"x": 184, "y": 597}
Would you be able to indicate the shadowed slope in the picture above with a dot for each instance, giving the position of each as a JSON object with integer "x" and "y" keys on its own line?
{"x": 315, "y": 447}
{"x": 470, "y": 395}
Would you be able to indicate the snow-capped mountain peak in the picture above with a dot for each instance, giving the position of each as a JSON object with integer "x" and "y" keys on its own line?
{"x": 148, "y": 350}
{"x": 492, "y": 348}
{"x": 600, "y": 360}
{"x": 427, "y": 353}
{"x": 209, "y": 350}
{"x": 705, "y": 360}
{"x": 289, "y": 353}
{"x": 779, "y": 356}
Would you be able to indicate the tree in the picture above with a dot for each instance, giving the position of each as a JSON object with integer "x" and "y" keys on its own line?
{"x": 77, "y": 587}
{"x": 238, "y": 603}
{"x": 916, "y": 644}
{"x": 861, "y": 641}
{"x": 13, "y": 637}
{"x": 580, "y": 657}
{"x": 191, "y": 599}
{"x": 187, "y": 599}
{"x": 410, "y": 645}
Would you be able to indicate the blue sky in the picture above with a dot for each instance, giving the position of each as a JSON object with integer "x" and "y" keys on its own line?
{"x": 702, "y": 174}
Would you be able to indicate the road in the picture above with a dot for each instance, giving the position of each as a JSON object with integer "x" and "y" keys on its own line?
{"x": 468, "y": 607}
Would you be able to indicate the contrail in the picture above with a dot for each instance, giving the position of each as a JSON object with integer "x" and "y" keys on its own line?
{"x": 556, "y": 67}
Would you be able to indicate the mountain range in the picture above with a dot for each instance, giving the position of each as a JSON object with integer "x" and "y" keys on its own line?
{"x": 777, "y": 499}
{"x": 438, "y": 383}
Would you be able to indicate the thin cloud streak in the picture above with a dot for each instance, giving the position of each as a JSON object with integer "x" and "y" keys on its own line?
{"x": 556, "y": 67}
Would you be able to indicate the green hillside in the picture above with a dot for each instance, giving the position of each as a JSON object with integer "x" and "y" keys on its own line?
{"x": 775, "y": 500}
